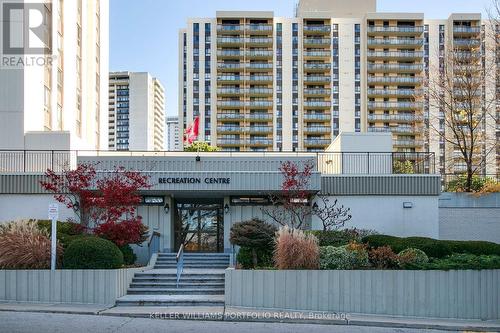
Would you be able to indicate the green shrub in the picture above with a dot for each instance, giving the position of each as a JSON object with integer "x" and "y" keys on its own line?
{"x": 129, "y": 256}
{"x": 92, "y": 253}
{"x": 66, "y": 231}
{"x": 433, "y": 247}
{"x": 474, "y": 247}
{"x": 383, "y": 258}
{"x": 352, "y": 256}
{"x": 462, "y": 261}
{"x": 245, "y": 258}
{"x": 411, "y": 257}
{"x": 255, "y": 235}
{"x": 331, "y": 257}
{"x": 339, "y": 237}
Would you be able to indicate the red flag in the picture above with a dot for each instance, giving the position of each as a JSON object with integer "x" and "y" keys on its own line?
{"x": 192, "y": 131}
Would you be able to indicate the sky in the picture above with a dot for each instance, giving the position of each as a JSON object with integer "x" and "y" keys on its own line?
{"x": 144, "y": 33}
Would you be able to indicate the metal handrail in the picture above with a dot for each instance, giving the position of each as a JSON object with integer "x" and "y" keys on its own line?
{"x": 154, "y": 243}
{"x": 180, "y": 263}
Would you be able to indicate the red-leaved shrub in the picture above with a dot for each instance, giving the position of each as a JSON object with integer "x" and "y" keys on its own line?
{"x": 383, "y": 257}
{"x": 296, "y": 250}
{"x": 130, "y": 231}
{"x": 23, "y": 245}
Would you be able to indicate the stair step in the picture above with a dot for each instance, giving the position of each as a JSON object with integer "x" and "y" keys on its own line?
{"x": 171, "y": 300}
{"x": 174, "y": 291}
{"x": 170, "y": 303}
{"x": 199, "y": 280}
{"x": 174, "y": 285}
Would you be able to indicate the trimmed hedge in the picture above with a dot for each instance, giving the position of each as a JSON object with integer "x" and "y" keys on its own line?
{"x": 461, "y": 261}
{"x": 338, "y": 238}
{"x": 433, "y": 247}
{"x": 245, "y": 258}
{"x": 66, "y": 231}
{"x": 92, "y": 253}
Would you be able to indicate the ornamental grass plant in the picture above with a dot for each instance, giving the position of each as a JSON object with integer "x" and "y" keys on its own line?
{"x": 295, "y": 249}
{"x": 24, "y": 246}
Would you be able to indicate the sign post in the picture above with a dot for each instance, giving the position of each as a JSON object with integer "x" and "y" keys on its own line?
{"x": 53, "y": 215}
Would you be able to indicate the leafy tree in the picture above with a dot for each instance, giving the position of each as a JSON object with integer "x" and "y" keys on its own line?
{"x": 201, "y": 146}
{"x": 105, "y": 204}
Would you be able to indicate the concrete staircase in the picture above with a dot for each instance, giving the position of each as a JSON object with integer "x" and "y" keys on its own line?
{"x": 201, "y": 283}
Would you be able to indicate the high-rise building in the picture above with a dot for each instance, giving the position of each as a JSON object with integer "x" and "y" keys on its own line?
{"x": 136, "y": 112}
{"x": 59, "y": 86}
{"x": 172, "y": 134}
{"x": 259, "y": 82}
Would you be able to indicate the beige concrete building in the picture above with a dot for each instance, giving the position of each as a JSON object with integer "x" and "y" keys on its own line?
{"x": 61, "y": 87}
{"x": 260, "y": 82}
{"x": 136, "y": 112}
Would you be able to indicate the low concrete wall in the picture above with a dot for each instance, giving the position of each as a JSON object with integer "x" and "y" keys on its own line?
{"x": 441, "y": 294}
{"x": 464, "y": 216}
{"x": 65, "y": 286}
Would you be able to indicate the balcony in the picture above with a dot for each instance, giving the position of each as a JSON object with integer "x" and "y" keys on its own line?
{"x": 259, "y": 41}
{"x": 317, "y": 54}
{"x": 466, "y": 43}
{"x": 230, "y": 28}
{"x": 230, "y": 116}
{"x": 407, "y": 143}
{"x": 230, "y": 41}
{"x": 260, "y": 78}
{"x": 259, "y": 28}
{"x": 317, "y": 142}
{"x": 260, "y": 54}
{"x": 260, "y": 142}
{"x": 394, "y": 80}
{"x": 258, "y": 66}
{"x": 230, "y": 78}
{"x": 260, "y": 91}
{"x": 317, "y": 129}
{"x": 317, "y": 92}
{"x": 260, "y": 104}
{"x": 394, "y": 55}
{"x": 228, "y": 91}
{"x": 260, "y": 129}
{"x": 394, "y": 92}
{"x": 411, "y": 130}
{"x": 317, "y": 29}
{"x": 395, "y": 30}
{"x": 395, "y": 105}
{"x": 265, "y": 117}
{"x": 230, "y": 104}
{"x": 399, "y": 118}
{"x": 230, "y": 54}
{"x": 317, "y": 104}
{"x": 229, "y": 129}
{"x": 317, "y": 67}
{"x": 229, "y": 67}
{"x": 317, "y": 79}
{"x": 312, "y": 42}
{"x": 230, "y": 142}
{"x": 395, "y": 68}
{"x": 314, "y": 117}
{"x": 411, "y": 42}
{"x": 466, "y": 31}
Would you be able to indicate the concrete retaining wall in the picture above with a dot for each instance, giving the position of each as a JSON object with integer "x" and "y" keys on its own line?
{"x": 65, "y": 286}
{"x": 440, "y": 294}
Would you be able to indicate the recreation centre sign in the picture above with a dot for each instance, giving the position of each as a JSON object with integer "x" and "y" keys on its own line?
{"x": 193, "y": 180}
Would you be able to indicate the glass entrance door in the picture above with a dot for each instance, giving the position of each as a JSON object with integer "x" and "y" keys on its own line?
{"x": 199, "y": 227}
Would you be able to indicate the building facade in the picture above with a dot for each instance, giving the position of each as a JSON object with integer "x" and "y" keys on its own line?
{"x": 172, "y": 134}
{"x": 136, "y": 112}
{"x": 65, "y": 89}
{"x": 259, "y": 82}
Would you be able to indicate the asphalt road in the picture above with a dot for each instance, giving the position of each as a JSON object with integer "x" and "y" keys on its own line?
{"x": 22, "y": 322}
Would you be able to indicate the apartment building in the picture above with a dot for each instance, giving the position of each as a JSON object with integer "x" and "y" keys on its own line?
{"x": 259, "y": 82}
{"x": 60, "y": 90}
{"x": 172, "y": 134}
{"x": 136, "y": 118}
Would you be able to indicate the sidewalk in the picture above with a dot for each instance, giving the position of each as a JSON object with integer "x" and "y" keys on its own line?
{"x": 252, "y": 315}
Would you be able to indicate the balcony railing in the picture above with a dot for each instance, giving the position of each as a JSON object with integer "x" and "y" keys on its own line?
{"x": 394, "y": 117}
{"x": 399, "y": 41}
{"x": 317, "y": 53}
{"x": 395, "y": 54}
{"x": 317, "y": 116}
{"x": 396, "y": 129}
{"x": 464, "y": 29}
{"x": 317, "y": 91}
{"x": 317, "y": 104}
{"x": 259, "y": 27}
{"x": 395, "y": 92}
{"x": 260, "y": 129}
{"x": 317, "y": 129}
{"x": 395, "y": 105}
{"x": 256, "y": 65}
{"x": 394, "y": 79}
{"x": 317, "y": 28}
{"x": 38, "y": 161}
{"x": 229, "y": 53}
{"x": 317, "y": 41}
{"x": 396, "y": 29}
{"x": 317, "y": 78}
{"x": 317, "y": 66}
{"x": 395, "y": 67}
{"x": 229, "y": 27}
